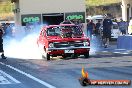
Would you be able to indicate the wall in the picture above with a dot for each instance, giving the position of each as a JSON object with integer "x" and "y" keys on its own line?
{"x": 47, "y": 6}
{"x": 51, "y": 6}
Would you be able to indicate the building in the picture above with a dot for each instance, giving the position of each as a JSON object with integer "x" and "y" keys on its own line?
{"x": 37, "y": 10}
{"x": 126, "y": 9}
{"x": 48, "y": 11}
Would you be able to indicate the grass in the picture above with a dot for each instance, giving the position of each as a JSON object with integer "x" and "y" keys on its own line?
{"x": 101, "y": 2}
{"x": 6, "y": 7}
{"x": 6, "y": 10}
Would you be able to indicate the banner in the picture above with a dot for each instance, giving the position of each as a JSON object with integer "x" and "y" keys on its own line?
{"x": 75, "y": 16}
{"x": 30, "y": 18}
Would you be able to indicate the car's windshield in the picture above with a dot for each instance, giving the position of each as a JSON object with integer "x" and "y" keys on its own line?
{"x": 54, "y": 31}
{"x": 61, "y": 30}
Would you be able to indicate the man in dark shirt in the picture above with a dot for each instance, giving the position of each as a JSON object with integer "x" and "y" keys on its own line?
{"x": 1, "y": 42}
{"x": 90, "y": 28}
{"x": 107, "y": 24}
{"x": 97, "y": 27}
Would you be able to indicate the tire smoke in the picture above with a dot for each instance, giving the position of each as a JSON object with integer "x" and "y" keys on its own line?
{"x": 23, "y": 45}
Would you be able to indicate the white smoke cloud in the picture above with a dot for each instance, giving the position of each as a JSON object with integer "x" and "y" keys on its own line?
{"x": 22, "y": 46}
{"x": 95, "y": 45}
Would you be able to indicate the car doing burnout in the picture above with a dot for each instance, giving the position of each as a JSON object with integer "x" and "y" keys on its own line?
{"x": 63, "y": 40}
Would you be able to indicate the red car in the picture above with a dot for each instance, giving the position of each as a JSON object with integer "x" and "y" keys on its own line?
{"x": 63, "y": 40}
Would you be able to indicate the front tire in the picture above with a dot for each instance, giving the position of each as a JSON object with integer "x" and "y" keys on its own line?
{"x": 46, "y": 56}
{"x": 86, "y": 55}
{"x": 74, "y": 56}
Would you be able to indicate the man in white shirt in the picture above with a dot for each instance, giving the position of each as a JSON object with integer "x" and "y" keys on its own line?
{"x": 130, "y": 27}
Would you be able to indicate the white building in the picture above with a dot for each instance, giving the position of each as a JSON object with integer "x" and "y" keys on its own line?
{"x": 48, "y": 11}
{"x": 126, "y": 9}
{"x": 59, "y": 9}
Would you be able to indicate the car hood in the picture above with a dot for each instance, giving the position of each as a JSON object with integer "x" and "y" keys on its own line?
{"x": 60, "y": 39}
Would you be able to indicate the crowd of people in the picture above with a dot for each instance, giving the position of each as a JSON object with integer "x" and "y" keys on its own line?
{"x": 95, "y": 29}
{"x": 105, "y": 32}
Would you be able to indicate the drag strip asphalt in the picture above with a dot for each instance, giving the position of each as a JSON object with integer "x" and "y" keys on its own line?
{"x": 65, "y": 73}
{"x": 25, "y": 78}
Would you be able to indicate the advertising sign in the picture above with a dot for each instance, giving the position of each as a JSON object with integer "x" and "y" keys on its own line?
{"x": 31, "y": 18}
{"x": 75, "y": 16}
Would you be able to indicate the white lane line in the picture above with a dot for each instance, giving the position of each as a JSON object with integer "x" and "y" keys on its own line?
{"x": 10, "y": 77}
{"x": 3, "y": 80}
{"x": 30, "y": 76}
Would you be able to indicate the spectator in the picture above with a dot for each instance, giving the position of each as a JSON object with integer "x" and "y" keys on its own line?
{"x": 107, "y": 24}
{"x": 122, "y": 26}
{"x": 80, "y": 24}
{"x": 127, "y": 24}
{"x": 8, "y": 30}
{"x": 130, "y": 27}
{"x": 90, "y": 28}
{"x": 97, "y": 27}
{"x": 1, "y": 42}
